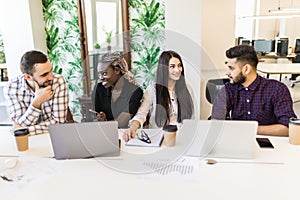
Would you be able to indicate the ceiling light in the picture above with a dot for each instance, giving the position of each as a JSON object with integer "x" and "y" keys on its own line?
{"x": 279, "y": 13}
{"x": 269, "y": 17}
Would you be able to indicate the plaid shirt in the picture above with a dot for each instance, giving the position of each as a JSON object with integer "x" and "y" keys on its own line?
{"x": 19, "y": 97}
{"x": 265, "y": 100}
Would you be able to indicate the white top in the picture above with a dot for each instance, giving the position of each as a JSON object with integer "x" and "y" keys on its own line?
{"x": 149, "y": 104}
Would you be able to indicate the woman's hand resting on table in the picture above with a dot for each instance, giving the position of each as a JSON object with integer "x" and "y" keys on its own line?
{"x": 131, "y": 132}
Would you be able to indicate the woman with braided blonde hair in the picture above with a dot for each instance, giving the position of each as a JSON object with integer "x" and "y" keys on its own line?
{"x": 116, "y": 97}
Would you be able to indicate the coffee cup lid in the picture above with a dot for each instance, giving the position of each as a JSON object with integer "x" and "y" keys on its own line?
{"x": 170, "y": 128}
{"x": 21, "y": 132}
{"x": 295, "y": 121}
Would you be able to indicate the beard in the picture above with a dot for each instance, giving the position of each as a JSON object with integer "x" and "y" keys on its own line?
{"x": 43, "y": 85}
{"x": 239, "y": 79}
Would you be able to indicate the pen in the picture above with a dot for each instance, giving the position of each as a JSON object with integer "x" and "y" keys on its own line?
{"x": 100, "y": 115}
{"x": 144, "y": 137}
{"x": 93, "y": 111}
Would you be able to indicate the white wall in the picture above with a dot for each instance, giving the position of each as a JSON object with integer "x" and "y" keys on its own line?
{"x": 218, "y": 29}
{"x": 183, "y": 25}
{"x": 23, "y": 29}
{"x": 201, "y": 31}
{"x": 38, "y": 25}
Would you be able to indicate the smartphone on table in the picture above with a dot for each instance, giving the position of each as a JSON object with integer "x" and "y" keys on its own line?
{"x": 264, "y": 143}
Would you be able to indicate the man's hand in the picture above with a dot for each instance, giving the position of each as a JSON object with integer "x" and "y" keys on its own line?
{"x": 41, "y": 95}
{"x": 15, "y": 125}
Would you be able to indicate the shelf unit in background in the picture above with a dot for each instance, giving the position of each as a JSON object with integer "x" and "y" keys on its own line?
{"x": 3, "y": 72}
{"x": 4, "y": 116}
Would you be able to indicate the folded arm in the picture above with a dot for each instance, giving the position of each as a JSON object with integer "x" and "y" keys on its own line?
{"x": 273, "y": 130}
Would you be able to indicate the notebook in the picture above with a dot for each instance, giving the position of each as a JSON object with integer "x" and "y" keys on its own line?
{"x": 84, "y": 140}
{"x": 218, "y": 138}
{"x": 155, "y": 135}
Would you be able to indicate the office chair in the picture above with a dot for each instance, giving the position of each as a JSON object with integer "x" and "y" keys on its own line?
{"x": 213, "y": 86}
{"x": 296, "y": 59}
{"x": 69, "y": 116}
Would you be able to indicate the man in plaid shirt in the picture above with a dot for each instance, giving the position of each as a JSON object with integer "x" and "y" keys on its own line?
{"x": 38, "y": 97}
{"x": 248, "y": 96}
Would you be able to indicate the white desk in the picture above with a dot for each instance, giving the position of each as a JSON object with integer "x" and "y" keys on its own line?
{"x": 89, "y": 179}
{"x": 268, "y": 69}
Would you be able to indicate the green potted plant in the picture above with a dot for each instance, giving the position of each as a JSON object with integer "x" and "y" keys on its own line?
{"x": 97, "y": 45}
{"x": 2, "y": 55}
{"x": 108, "y": 38}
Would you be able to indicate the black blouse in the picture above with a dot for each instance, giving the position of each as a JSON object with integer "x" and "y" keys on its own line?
{"x": 129, "y": 100}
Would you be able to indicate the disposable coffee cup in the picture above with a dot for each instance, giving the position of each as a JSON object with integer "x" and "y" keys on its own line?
{"x": 21, "y": 136}
{"x": 294, "y": 131}
{"x": 170, "y": 135}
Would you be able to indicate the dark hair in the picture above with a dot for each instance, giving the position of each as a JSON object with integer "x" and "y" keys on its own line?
{"x": 184, "y": 100}
{"x": 244, "y": 54}
{"x": 29, "y": 59}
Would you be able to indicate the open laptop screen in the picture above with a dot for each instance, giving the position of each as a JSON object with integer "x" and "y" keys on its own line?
{"x": 84, "y": 140}
{"x": 219, "y": 138}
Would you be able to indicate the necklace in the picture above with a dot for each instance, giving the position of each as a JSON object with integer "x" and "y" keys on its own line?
{"x": 172, "y": 94}
{"x": 173, "y": 107}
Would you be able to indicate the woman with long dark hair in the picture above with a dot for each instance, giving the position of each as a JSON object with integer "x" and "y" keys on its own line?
{"x": 168, "y": 100}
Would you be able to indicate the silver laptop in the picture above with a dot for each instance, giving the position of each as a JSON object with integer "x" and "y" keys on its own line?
{"x": 85, "y": 140}
{"x": 219, "y": 138}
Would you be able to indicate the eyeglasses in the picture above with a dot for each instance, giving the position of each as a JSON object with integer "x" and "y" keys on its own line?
{"x": 143, "y": 137}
